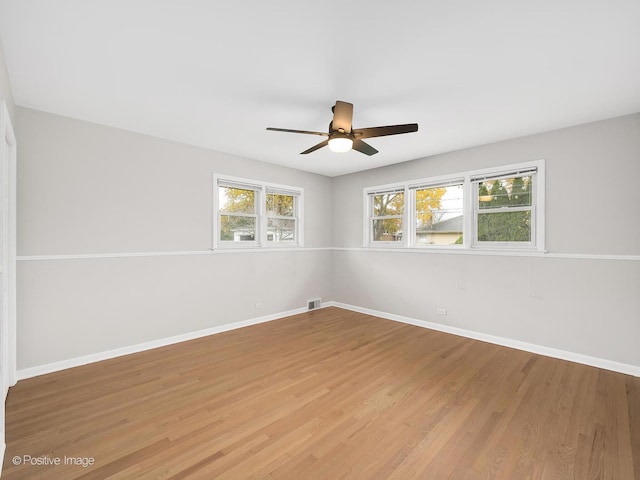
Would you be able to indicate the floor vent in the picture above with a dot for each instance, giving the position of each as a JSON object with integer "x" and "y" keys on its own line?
{"x": 314, "y": 303}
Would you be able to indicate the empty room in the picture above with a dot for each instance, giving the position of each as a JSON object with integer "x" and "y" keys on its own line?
{"x": 345, "y": 240}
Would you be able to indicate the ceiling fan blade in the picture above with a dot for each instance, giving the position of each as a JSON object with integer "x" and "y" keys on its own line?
{"x": 342, "y": 116}
{"x": 297, "y": 131}
{"x": 315, "y": 147}
{"x": 383, "y": 131}
{"x": 363, "y": 147}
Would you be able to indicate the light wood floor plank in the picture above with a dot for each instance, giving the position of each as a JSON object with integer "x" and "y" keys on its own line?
{"x": 329, "y": 394}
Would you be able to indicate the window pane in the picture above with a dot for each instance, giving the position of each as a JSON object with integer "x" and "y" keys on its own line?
{"x": 439, "y": 218}
{"x": 237, "y": 229}
{"x": 505, "y": 192}
{"x": 388, "y": 204}
{"x": 504, "y": 227}
{"x": 388, "y": 230}
{"x": 280, "y": 205}
{"x": 281, "y": 230}
{"x": 237, "y": 200}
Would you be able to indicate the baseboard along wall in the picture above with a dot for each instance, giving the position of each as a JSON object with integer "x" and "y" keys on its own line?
{"x": 624, "y": 368}
{"x": 141, "y": 347}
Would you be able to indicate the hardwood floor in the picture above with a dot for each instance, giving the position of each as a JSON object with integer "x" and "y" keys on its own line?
{"x": 328, "y": 394}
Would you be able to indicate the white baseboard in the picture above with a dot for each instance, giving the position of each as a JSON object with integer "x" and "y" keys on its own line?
{"x": 505, "y": 342}
{"x": 117, "y": 352}
{"x": 3, "y": 447}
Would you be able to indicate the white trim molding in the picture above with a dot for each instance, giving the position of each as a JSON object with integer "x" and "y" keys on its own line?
{"x": 429, "y": 251}
{"x": 8, "y": 166}
{"x": 469, "y": 182}
{"x": 80, "y": 256}
{"x": 141, "y": 347}
{"x": 506, "y": 342}
{"x": 487, "y": 252}
{"x": 261, "y": 190}
{"x": 625, "y": 368}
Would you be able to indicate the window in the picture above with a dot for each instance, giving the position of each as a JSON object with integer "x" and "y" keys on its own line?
{"x": 252, "y": 213}
{"x": 439, "y": 214}
{"x": 499, "y": 208}
{"x": 238, "y": 215}
{"x": 386, "y": 216}
{"x": 504, "y": 209}
{"x": 281, "y": 217}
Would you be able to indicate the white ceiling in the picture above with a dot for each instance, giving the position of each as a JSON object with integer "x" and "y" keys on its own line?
{"x": 216, "y": 74}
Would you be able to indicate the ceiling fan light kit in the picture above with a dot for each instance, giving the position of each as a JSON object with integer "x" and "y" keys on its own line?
{"x": 340, "y": 144}
{"x": 342, "y": 137}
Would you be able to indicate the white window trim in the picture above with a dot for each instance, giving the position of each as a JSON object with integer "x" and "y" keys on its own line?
{"x": 431, "y": 183}
{"x": 262, "y": 188}
{"x": 469, "y": 230}
{"x": 368, "y": 215}
{"x": 537, "y": 243}
{"x": 297, "y": 217}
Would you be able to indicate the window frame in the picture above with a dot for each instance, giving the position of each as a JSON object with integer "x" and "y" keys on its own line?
{"x": 537, "y": 208}
{"x": 271, "y": 190}
{"x": 435, "y": 182}
{"x": 256, "y": 214}
{"x": 262, "y": 189}
{"x": 370, "y": 217}
{"x": 469, "y": 183}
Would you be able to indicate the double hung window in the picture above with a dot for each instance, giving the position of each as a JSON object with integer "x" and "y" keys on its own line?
{"x": 504, "y": 209}
{"x": 498, "y": 208}
{"x": 282, "y": 219}
{"x": 439, "y": 214}
{"x": 256, "y": 214}
{"x": 238, "y": 217}
{"x": 386, "y": 215}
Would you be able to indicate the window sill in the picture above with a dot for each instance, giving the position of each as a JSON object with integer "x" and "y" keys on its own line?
{"x": 259, "y": 249}
{"x": 454, "y": 250}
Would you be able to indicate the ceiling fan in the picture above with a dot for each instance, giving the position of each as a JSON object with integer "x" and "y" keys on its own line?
{"x": 342, "y": 137}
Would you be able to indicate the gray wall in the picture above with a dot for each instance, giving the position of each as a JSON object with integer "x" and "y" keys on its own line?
{"x": 90, "y": 189}
{"x": 75, "y": 307}
{"x": 5, "y": 87}
{"x": 591, "y": 191}
{"x": 86, "y": 188}
{"x": 589, "y": 305}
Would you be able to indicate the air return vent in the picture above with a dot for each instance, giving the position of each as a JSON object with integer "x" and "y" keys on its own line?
{"x": 314, "y": 303}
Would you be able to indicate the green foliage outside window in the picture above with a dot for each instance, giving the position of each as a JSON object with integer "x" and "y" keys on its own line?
{"x": 504, "y": 226}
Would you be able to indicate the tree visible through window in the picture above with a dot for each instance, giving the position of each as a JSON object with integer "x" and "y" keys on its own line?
{"x": 505, "y": 210}
{"x": 499, "y": 208}
{"x": 439, "y": 215}
{"x": 252, "y": 213}
{"x": 238, "y": 215}
{"x": 281, "y": 226}
{"x": 388, "y": 209}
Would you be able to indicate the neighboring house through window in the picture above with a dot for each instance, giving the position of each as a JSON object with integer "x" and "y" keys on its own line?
{"x": 497, "y": 208}
{"x": 439, "y": 213}
{"x": 252, "y": 213}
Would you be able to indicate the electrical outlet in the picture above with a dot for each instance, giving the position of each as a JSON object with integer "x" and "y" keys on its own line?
{"x": 258, "y": 305}
{"x": 441, "y": 311}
